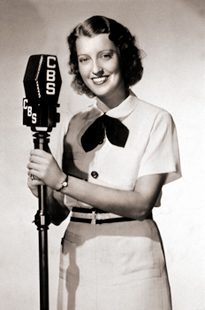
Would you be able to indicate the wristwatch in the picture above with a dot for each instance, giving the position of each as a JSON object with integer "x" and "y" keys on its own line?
{"x": 64, "y": 184}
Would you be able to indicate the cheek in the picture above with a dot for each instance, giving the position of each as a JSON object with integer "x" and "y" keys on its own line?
{"x": 84, "y": 70}
{"x": 114, "y": 67}
{"x": 84, "y": 75}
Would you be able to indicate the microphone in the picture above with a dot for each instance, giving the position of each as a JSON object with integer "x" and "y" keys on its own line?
{"x": 42, "y": 83}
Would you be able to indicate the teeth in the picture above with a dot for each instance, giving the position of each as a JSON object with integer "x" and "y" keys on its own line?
{"x": 100, "y": 80}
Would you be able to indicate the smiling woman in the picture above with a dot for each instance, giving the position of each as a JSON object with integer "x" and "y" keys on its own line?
{"x": 99, "y": 67}
{"x": 120, "y": 41}
{"x": 114, "y": 158}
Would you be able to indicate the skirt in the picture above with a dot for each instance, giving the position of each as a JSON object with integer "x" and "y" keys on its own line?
{"x": 113, "y": 266}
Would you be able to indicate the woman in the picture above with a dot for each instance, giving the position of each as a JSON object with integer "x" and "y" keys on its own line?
{"x": 114, "y": 158}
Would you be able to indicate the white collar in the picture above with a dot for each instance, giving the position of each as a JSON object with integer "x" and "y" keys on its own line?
{"x": 122, "y": 110}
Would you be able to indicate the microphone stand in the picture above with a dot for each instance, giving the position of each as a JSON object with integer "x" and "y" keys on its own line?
{"x": 42, "y": 221}
{"x": 42, "y": 83}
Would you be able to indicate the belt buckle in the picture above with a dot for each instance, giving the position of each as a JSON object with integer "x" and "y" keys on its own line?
{"x": 93, "y": 222}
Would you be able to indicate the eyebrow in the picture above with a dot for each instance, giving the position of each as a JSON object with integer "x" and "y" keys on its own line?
{"x": 103, "y": 51}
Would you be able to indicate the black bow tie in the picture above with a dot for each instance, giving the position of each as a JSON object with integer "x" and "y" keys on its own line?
{"x": 116, "y": 132}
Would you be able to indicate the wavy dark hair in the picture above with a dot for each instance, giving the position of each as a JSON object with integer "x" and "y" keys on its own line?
{"x": 131, "y": 64}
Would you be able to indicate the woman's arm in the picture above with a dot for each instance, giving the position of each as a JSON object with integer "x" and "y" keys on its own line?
{"x": 56, "y": 208}
{"x": 135, "y": 204}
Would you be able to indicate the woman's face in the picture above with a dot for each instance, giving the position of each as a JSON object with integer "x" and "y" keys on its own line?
{"x": 99, "y": 66}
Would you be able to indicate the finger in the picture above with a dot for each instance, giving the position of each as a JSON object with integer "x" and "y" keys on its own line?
{"x": 34, "y": 182}
{"x": 36, "y": 174}
{"x": 37, "y": 182}
{"x": 33, "y": 177}
{"x": 39, "y": 153}
{"x": 33, "y": 166}
{"x": 37, "y": 159}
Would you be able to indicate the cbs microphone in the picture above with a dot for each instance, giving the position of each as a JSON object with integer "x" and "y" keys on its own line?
{"x": 42, "y": 83}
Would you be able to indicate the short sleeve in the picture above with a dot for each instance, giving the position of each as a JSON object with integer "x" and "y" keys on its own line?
{"x": 162, "y": 151}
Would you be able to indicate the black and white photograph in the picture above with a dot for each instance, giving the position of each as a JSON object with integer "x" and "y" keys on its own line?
{"x": 102, "y": 141}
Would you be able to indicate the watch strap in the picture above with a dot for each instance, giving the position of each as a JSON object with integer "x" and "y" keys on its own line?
{"x": 64, "y": 184}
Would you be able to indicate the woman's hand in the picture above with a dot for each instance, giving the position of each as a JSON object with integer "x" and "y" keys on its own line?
{"x": 33, "y": 185}
{"x": 45, "y": 170}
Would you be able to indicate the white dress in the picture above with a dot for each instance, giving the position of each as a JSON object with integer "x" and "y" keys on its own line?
{"x": 118, "y": 265}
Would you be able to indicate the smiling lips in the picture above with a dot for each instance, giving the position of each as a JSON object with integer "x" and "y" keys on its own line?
{"x": 99, "y": 80}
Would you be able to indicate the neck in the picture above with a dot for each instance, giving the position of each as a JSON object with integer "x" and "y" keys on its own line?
{"x": 114, "y": 100}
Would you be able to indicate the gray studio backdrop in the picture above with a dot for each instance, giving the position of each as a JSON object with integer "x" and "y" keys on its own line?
{"x": 171, "y": 33}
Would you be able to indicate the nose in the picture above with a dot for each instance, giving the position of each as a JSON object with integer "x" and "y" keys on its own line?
{"x": 97, "y": 69}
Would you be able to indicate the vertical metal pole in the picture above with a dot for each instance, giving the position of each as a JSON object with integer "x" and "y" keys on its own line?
{"x": 42, "y": 221}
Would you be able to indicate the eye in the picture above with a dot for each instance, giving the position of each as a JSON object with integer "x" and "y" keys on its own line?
{"x": 106, "y": 55}
{"x": 83, "y": 59}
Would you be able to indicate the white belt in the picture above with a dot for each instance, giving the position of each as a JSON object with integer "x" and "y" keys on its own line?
{"x": 95, "y": 216}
